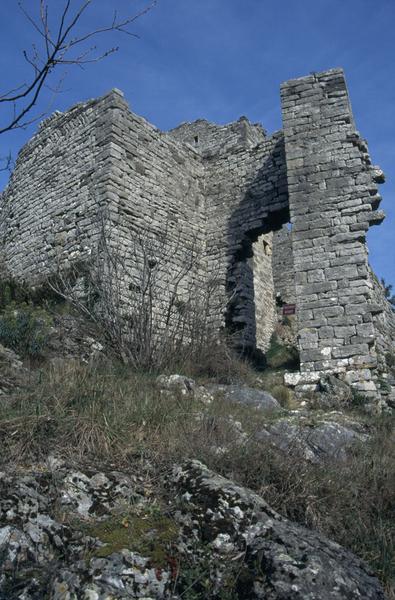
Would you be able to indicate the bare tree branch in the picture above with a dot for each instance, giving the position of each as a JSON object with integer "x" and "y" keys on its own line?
{"x": 57, "y": 42}
{"x": 6, "y": 163}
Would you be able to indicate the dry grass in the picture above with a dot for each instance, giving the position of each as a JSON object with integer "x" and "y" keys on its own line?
{"x": 351, "y": 502}
{"x": 217, "y": 361}
{"x": 272, "y": 381}
{"x": 98, "y": 412}
{"x": 107, "y": 413}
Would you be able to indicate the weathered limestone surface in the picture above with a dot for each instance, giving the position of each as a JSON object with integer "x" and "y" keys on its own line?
{"x": 333, "y": 197}
{"x": 247, "y": 197}
{"x": 205, "y": 207}
{"x": 48, "y": 210}
{"x": 289, "y": 561}
{"x": 283, "y": 266}
{"x": 54, "y": 542}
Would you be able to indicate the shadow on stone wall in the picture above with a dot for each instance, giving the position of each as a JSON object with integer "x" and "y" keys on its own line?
{"x": 263, "y": 209}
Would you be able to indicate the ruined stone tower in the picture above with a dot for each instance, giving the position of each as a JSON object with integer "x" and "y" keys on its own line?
{"x": 228, "y": 191}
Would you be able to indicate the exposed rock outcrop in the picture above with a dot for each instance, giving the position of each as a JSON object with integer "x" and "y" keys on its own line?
{"x": 242, "y": 394}
{"x": 51, "y": 542}
{"x": 283, "y": 560}
{"x": 316, "y": 438}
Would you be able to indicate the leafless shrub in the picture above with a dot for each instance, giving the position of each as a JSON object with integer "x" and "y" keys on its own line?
{"x": 150, "y": 300}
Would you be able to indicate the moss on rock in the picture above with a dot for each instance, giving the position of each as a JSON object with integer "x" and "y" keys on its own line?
{"x": 150, "y": 534}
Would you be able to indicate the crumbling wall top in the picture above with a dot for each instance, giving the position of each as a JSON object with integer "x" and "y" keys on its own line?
{"x": 209, "y": 139}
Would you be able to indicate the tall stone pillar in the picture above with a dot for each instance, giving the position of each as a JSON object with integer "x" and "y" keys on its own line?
{"x": 333, "y": 200}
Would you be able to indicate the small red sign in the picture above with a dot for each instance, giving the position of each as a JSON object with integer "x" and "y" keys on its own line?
{"x": 289, "y": 309}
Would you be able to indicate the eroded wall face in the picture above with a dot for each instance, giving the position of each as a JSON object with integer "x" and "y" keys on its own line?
{"x": 156, "y": 215}
{"x": 265, "y": 306}
{"x": 246, "y": 197}
{"x": 49, "y": 211}
{"x": 332, "y": 196}
{"x": 210, "y": 139}
{"x": 384, "y": 323}
{"x": 283, "y": 267}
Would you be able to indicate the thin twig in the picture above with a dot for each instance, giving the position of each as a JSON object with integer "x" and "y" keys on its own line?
{"x": 57, "y": 52}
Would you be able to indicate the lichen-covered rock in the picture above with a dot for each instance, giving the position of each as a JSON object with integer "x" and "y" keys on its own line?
{"x": 176, "y": 383}
{"x": 64, "y": 534}
{"x": 124, "y": 574}
{"x": 315, "y": 439}
{"x": 41, "y": 554}
{"x": 243, "y": 394}
{"x": 279, "y": 560}
{"x": 96, "y": 494}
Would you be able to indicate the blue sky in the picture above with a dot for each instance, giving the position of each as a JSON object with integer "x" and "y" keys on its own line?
{"x": 220, "y": 59}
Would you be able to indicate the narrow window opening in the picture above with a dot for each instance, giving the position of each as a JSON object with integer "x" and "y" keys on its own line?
{"x": 196, "y": 140}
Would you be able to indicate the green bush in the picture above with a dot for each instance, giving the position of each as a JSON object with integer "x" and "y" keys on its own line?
{"x": 25, "y": 329}
{"x": 11, "y": 292}
{"x": 358, "y": 400}
{"x": 281, "y": 356}
{"x": 282, "y": 394}
{"x": 16, "y": 293}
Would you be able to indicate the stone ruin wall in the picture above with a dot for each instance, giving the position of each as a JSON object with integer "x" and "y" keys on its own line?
{"x": 266, "y": 317}
{"x": 384, "y": 327}
{"x": 48, "y": 211}
{"x": 245, "y": 191}
{"x": 333, "y": 199}
{"x": 283, "y": 267}
{"x": 247, "y": 199}
{"x": 98, "y": 171}
{"x": 210, "y": 139}
{"x": 155, "y": 196}
{"x": 383, "y": 321}
{"x": 225, "y": 193}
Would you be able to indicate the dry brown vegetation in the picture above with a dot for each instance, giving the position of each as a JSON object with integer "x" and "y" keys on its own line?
{"x": 109, "y": 413}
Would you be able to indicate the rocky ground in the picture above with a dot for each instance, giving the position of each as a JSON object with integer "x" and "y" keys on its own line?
{"x": 94, "y": 529}
{"x": 99, "y": 535}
